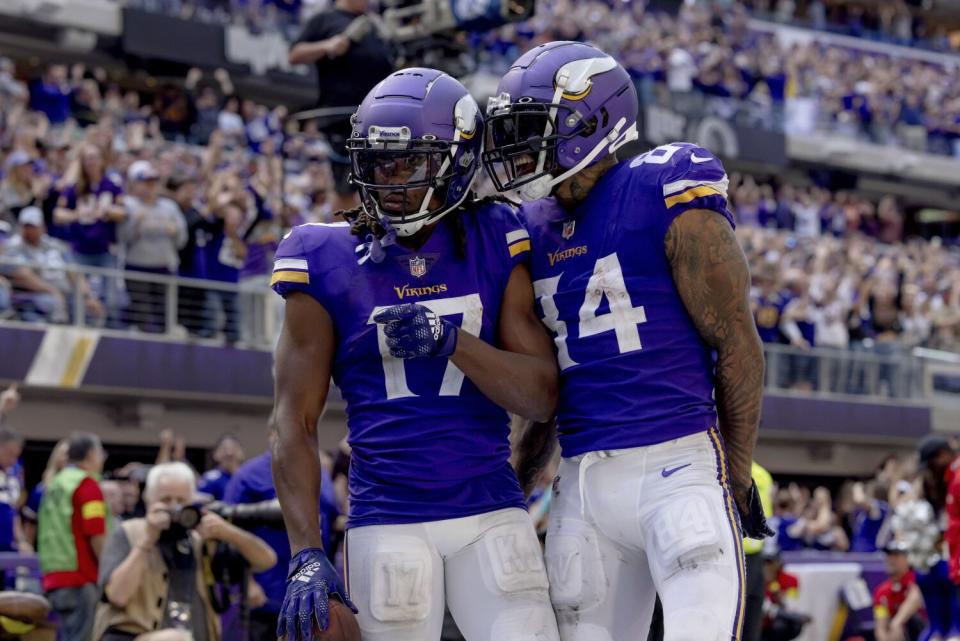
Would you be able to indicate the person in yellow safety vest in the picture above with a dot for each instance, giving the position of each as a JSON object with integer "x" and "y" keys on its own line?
{"x": 753, "y": 608}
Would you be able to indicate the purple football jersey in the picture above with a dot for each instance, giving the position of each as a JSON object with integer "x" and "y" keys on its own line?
{"x": 427, "y": 444}
{"x": 634, "y": 370}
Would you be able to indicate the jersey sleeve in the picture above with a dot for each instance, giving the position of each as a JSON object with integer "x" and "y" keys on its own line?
{"x": 692, "y": 178}
{"x": 294, "y": 265}
{"x": 512, "y": 236}
{"x": 88, "y": 502}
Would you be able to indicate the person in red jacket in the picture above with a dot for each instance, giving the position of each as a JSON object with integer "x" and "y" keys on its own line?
{"x": 897, "y": 601}
{"x": 943, "y": 465}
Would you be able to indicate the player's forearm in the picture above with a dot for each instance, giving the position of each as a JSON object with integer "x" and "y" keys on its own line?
{"x": 739, "y": 393}
{"x": 520, "y": 383}
{"x": 296, "y": 474}
{"x": 713, "y": 279}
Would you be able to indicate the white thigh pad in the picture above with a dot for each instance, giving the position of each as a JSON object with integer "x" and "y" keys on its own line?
{"x": 686, "y": 533}
{"x": 401, "y": 579}
{"x": 575, "y": 566}
{"x": 514, "y": 561}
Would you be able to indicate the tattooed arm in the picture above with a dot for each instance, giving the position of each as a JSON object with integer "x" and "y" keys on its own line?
{"x": 712, "y": 276}
{"x": 534, "y": 446}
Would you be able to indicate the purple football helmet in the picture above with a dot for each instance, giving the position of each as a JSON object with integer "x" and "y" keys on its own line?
{"x": 415, "y": 148}
{"x": 560, "y": 108}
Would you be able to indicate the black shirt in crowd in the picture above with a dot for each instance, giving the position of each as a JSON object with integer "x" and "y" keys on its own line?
{"x": 345, "y": 80}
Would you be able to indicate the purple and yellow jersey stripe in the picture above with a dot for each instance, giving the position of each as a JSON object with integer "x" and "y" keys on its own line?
{"x": 290, "y": 270}
{"x": 733, "y": 518}
{"x": 518, "y": 242}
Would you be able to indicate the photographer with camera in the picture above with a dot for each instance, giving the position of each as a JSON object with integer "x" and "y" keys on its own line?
{"x": 152, "y": 568}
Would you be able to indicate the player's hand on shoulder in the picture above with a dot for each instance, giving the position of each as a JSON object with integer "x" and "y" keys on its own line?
{"x": 311, "y": 582}
{"x": 414, "y": 331}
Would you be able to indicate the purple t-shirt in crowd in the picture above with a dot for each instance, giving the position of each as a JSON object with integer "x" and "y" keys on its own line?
{"x": 53, "y": 100}
{"x": 91, "y": 236}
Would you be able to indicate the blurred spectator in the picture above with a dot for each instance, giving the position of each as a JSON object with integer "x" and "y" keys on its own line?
{"x": 91, "y": 207}
{"x": 152, "y": 236}
{"x": 175, "y": 111}
{"x": 31, "y": 509}
{"x": 350, "y": 58}
{"x": 869, "y": 516}
{"x": 897, "y": 601}
{"x": 253, "y": 483}
{"x": 9, "y": 399}
{"x": 72, "y": 524}
{"x": 193, "y": 307}
{"x": 781, "y": 622}
{"x": 21, "y": 186}
{"x": 51, "y": 93}
{"x": 113, "y": 497}
{"x": 228, "y": 456}
{"x": 152, "y": 568}
{"x": 42, "y": 285}
{"x": 11, "y": 487}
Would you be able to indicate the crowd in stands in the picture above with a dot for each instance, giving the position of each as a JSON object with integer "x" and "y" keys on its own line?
{"x": 190, "y": 182}
{"x": 196, "y": 182}
{"x": 710, "y": 58}
{"x": 829, "y": 271}
{"x": 705, "y": 60}
{"x": 894, "y": 21}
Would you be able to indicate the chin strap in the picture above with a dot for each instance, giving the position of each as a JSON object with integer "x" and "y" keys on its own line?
{"x": 541, "y": 187}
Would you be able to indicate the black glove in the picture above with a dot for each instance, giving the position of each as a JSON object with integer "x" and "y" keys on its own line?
{"x": 754, "y": 523}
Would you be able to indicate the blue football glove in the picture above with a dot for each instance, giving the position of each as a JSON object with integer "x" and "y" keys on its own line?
{"x": 752, "y": 521}
{"x": 311, "y": 581}
{"x": 413, "y": 331}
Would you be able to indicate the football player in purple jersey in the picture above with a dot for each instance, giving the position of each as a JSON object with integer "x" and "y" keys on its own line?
{"x": 421, "y": 308}
{"x": 639, "y": 276}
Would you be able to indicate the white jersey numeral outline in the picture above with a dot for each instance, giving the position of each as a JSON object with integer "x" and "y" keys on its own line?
{"x": 394, "y": 373}
{"x": 623, "y": 318}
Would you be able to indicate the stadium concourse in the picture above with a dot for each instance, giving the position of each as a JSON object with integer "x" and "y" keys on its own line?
{"x": 160, "y": 343}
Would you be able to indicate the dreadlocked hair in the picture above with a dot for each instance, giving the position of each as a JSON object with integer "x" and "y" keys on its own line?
{"x": 362, "y": 223}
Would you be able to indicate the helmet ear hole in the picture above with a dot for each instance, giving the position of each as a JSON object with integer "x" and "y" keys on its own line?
{"x": 589, "y": 127}
{"x": 606, "y": 117}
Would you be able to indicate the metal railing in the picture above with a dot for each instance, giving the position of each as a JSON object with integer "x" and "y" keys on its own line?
{"x": 888, "y": 371}
{"x": 249, "y": 314}
{"x": 162, "y": 306}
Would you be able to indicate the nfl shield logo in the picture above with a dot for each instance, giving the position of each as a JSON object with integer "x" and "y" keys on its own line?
{"x": 568, "y": 228}
{"x": 418, "y": 266}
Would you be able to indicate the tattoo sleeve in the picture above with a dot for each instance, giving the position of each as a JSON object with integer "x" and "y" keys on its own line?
{"x": 713, "y": 279}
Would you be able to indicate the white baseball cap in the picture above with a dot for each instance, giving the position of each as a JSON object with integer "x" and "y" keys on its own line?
{"x": 142, "y": 170}
{"x": 31, "y": 216}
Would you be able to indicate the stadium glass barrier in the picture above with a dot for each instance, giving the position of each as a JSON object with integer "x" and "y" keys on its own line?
{"x": 169, "y": 307}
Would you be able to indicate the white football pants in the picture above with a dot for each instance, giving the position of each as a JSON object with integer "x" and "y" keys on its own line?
{"x": 628, "y": 524}
{"x": 488, "y": 568}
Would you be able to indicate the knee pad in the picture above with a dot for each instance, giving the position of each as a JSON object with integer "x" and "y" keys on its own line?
{"x": 575, "y": 566}
{"x": 511, "y": 558}
{"x": 401, "y": 580}
{"x": 687, "y": 535}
